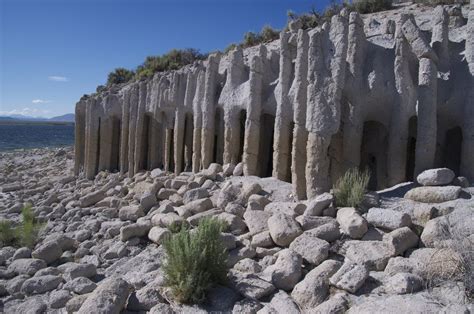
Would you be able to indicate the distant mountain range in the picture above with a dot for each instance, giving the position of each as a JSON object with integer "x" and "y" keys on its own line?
{"x": 69, "y": 117}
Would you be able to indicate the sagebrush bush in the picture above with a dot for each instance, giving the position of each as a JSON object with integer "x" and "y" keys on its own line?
{"x": 371, "y": 6}
{"x": 119, "y": 75}
{"x": 25, "y": 234}
{"x": 349, "y": 190}
{"x": 195, "y": 261}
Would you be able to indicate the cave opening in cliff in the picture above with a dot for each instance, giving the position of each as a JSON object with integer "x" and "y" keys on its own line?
{"x": 218, "y": 154}
{"x": 115, "y": 141}
{"x": 288, "y": 176}
{"x": 144, "y": 144}
{"x": 188, "y": 142}
{"x": 170, "y": 150}
{"x": 452, "y": 149}
{"x": 265, "y": 151}
{"x": 411, "y": 148}
{"x": 97, "y": 155}
{"x": 241, "y": 131}
{"x": 373, "y": 153}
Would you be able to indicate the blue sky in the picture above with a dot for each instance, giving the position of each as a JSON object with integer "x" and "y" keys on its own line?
{"x": 54, "y": 51}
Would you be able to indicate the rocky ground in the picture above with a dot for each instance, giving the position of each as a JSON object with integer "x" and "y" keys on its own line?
{"x": 100, "y": 247}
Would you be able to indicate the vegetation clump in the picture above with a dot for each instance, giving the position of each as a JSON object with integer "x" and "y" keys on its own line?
{"x": 119, "y": 76}
{"x": 195, "y": 261}
{"x": 25, "y": 234}
{"x": 349, "y": 190}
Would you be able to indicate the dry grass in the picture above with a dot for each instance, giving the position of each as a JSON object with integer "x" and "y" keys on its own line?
{"x": 349, "y": 190}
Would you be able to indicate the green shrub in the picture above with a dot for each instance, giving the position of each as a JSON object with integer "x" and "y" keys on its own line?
{"x": 195, "y": 261}
{"x": 349, "y": 190}
{"x": 371, "y": 6}
{"x": 119, "y": 75}
{"x": 7, "y": 234}
{"x": 232, "y": 46}
{"x": 269, "y": 34}
{"x": 25, "y": 234}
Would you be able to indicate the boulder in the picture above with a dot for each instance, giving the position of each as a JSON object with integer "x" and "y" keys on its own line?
{"x": 235, "y": 224}
{"x": 195, "y": 194}
{"x": 40, "y": 284}
{"x": 401, "y": 239}
{"x": 314, "y": 288}
{"x": 403, "y": 283}
{"x": 283, "y": 229}
{"x": 73, "y": 270}
{"x": 316, "y": 206}
{"x": 388, "y": 218}
{"x": 313, "y": 249}
{"x": 49, "y": 252}
{"x": 110, "y": 297}
{"x": 235, "y": 209}
{"x": 433, "y": 194}
{"x": 328, "y": 232}
{"x": 349, "y": 277}
{"x": 26, "y": 266}
{"x": 131, "y": 213}
{"x": 262, "y": 239}
{"x": 92, "y": 198}
{"x": 372, "y": 254}
{"x": 139, "y": 229}
{"x": 80, "y": 285}
{"x": 433, "y": 177}
{"x": 335, "y": 304}
{"x": 250, "y": 285}
{"x": 256, "y": 220}
{"x": 281, "y": 302}
{"x": 145, "y": 298}
{"x": 351, "y": 222}
{"x": 286, "y": 272}
{"x": 158, "y": 235}
{"x": 289, "y": 208}
{"x": 147, "y": 201}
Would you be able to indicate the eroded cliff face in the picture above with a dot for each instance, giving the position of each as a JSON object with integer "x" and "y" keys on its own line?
{"x": 391, "y": 91}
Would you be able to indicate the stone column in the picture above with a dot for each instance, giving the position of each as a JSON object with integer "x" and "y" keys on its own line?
{"x": 155, "y": 149}
{"x": 141, "y": 137}
{"x": 283, "y": 119}
{"x": 467, "y": 164}
{"x": 105, "y": 143}
{"x": 252, "y": 123}
{"x": 326, "y": 81}
{"x": 427, "y": 113}
{"x": 197, "y": 102}
{"x": 231, "y": 135}
{"x": 124, "y": 131}
{"x": 178, "y": 140}
{"x": 80, "y": 136}
{"x": 92, "y": 133}
{"x": 208, "y": 111}
{"x": 133, "y": 108}
{"x": 300, "y": 134}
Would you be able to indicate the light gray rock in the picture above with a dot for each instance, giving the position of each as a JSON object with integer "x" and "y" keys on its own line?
{"x": 246, "y": 306}
{"x": 144, "y": 299}
{"x": 349, "y": 277}
{"x": 313, "y": 249}
{"x": 75, "y": 303}
{"x": 316, "y": 206}
{"x": 283, "y": 229}
{"x": 166, "y": 220}
{"x": 48, "y": 251}
{"x": 262, "y": 239}
{"x": 433, "y": 177}
{"x": 433, "y": 194}
{"x": 402, "y": 239}
{"x": 248, "y": 266}
{"x": 131, "y": 213}
{"x": 40, "y": 284}
{"x": 26, "y": 266}
{"x": 23, "y": 252}
{"x": 158, "y": 235}
{"x": 286, "y": 272}
{"x": 403, "y": 283}
{"x": 139, "y": 229}
{"x": 336, "y": 304}
{"x": 235, "y": 209}
{"x": 256, "y": 220}
{"x": 73, "y": 270}
{"x": 92, "y": 198}
{"x": 195, "y": 194}
{"x": 410, "y": 303}
{"x": 161, "y": 308}
{"x": 351, "y": 222}
{"x": 235, "y": 224}
{"x": 109, "y": 297}
{"x": 59, "y": 298}
{"x": 80, "y": 285}
{"x": 288, "y": 208}
{"x": 221, "y": 298}
{"x": 329, "y": 232}
{"x": 372, "y": 254}
{"x": 281, "y": 302}
{"x": 314, "y": 288}
{"x": 251, "y": 286}
{"x": 147, "y": 201}
{"x": 388, "y": 218}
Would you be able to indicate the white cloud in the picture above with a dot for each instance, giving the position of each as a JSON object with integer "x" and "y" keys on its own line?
{"x": 40, "y": 101}
{"x": 32, "y": 112}
{"x": 56, "y": 78}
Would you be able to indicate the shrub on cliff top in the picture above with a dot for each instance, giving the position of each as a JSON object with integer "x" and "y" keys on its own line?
{"x": 195, "y": 261}
{"x": 371, "y": 6}
{"x": 119, "y": 75}
{"x": 172, "y": 60}
{"x": 349, "y": 190}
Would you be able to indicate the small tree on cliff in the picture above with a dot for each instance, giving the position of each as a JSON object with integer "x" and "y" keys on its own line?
{"x": 119, "y": 75}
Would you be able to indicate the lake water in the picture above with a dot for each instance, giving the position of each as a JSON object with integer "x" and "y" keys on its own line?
{"x": 35, "y": 135}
